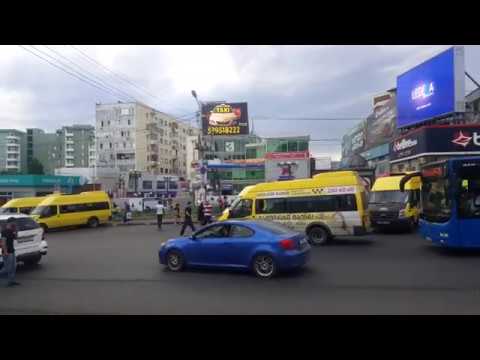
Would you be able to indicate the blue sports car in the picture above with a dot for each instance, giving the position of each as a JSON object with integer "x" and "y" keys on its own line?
{"x": 261, "y": 247}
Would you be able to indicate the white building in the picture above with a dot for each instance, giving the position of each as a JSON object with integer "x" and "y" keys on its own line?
{"x": 133, "y": 136}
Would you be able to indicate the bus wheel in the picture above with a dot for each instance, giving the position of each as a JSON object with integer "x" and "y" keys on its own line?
{"x": 318, "y": 235}
{"x": 92, "y": 222}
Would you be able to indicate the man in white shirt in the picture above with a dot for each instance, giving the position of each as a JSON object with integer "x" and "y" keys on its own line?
{"x": 160, "y": 212}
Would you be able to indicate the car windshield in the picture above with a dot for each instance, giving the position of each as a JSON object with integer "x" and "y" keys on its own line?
{"x": 390, "y": 196}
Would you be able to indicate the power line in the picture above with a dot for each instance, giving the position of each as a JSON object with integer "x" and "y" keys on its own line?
{"x": 68, "y": 72}
{"x": 307, "y": 119}
{"x": 126, "y": 96}
{"x": 118, "y": 75}
{"x": 104, "y": 83}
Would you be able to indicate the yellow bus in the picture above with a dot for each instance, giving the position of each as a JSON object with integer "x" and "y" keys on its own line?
{"x": 389, "y": 207}
{"x": 89, "y": 208}
{"x": 327, "y": 205}
{"x": 21, "y": 205}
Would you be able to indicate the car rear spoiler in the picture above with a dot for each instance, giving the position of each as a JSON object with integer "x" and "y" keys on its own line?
{"x": 406, "y": 178}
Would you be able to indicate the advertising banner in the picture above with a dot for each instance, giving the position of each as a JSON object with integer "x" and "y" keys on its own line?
{"x": 381, "y": 124}
{"x": 286, "y": 169}
{"x": 225, "y": 119}
{"x": 432, "y": 89}
{"x": 358, "y": 138}
{"x": 439, "y": 140}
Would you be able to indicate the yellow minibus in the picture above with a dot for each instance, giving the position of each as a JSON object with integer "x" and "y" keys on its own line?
{"x": 327, "y": 205}
{"x": 87, "y": 208}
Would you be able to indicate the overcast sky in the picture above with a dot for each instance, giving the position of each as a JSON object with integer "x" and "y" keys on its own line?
{"x": 276, "y": 81}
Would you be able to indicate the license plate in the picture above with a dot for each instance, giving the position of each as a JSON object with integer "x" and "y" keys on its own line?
{"x": 383, "y": 222}
{"x": 25, "y": 239}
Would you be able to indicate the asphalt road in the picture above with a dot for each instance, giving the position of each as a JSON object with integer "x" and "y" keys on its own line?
{"x": 114, "y": 270}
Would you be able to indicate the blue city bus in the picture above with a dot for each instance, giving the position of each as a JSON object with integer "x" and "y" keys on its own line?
{"x": 450, "y": 199}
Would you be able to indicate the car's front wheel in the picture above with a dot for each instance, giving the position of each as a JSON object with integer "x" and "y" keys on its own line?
{"x": 264, "y": 266}
{"x": 93, "y": 222}
{"x": 175, "y": 261}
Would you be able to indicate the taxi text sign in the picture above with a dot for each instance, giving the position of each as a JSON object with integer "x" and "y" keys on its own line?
{"x": 225, "y": 119}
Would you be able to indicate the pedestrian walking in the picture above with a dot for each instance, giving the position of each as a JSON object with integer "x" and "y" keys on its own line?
{"x": 160, "y": 213}
{"x": 188, "y": 219}
{"x": 8, "y": 235}
{"x": 221, "y": 204}
{"x": 178, "y": 220}
{"x": 201, "y": 216}
{"x": 126, "y": 212}
{"x": 207, "y": 212}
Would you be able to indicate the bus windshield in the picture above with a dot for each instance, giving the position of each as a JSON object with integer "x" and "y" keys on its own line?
{"x": 436, "y": 200}
{"x": 390, "y": 196}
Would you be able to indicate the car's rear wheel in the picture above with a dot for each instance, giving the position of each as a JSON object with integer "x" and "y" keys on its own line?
{"x": 264, "y": 266}
{"x": 175, "y": 261}
{"x": 92, "y": 222}
{"x": 318, "y": 235}
{"x": 32, "y": 260}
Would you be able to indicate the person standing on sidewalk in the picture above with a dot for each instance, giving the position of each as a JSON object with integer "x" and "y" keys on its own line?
{"x": 8, "y": 236}
{"x": 160, "y": 213}
{"x": 188, "y": 219}
{"x": 178, "y": 220}
{"x": 207, "y": 212}
{"x": 200, "y": 215}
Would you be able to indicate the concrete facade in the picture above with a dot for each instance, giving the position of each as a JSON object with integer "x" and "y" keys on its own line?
{"x": 13, "y": 151}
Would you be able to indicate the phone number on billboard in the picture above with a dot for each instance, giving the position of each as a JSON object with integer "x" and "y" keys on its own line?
{"x": 224, "y": 130}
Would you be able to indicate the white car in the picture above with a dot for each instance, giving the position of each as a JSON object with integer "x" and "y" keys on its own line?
{"x": 30, "y": 244}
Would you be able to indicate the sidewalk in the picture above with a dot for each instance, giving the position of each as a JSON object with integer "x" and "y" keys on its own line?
{"x": 147, "y": 222}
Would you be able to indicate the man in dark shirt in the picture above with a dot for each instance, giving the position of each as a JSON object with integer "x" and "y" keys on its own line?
{"x": 188, "y": 219}
{"x": 8, "y": 252}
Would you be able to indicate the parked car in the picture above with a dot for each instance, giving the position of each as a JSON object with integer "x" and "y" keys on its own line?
{"x": 262, "y": 247}
{"x": 30, "y": 244}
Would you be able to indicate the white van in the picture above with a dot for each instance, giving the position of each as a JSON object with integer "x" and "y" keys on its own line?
{"x": 30, "y": 244}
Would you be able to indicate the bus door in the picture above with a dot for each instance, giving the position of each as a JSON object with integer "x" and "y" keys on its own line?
{"x": 468, "y": 207}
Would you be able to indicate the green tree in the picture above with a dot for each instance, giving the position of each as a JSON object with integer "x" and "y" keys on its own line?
{"x": 35, "y": 167}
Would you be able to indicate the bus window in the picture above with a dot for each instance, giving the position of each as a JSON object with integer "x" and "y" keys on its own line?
{"x": 45, "y": 211}
{"x": 26, "y": 210}
{"x": 469, "y": 198}
{"x": 271, "y": 206}
{"x": 241, "y": 209}
{"x": 436, "y": 200}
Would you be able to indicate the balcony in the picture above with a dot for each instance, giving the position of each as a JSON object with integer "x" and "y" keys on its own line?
{"x": 13, "y": 137}
{"x": 67, "y": 134}
{"x": 69, "y": 141}
{"x": 13, "y": 165}
{"x": 69, "y": 157}
{"x": 69, "y": 164}
{"x": 13, "y": 151}
{"x": 69, "y": 150}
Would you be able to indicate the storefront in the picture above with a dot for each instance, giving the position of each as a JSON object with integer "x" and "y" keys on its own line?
{"x": 14, "y": 186}
{"x": 231, "y": 178}
{"x": 433, "y": 143}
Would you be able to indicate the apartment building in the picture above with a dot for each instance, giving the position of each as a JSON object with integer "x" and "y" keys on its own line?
{"x": 12, "y": 151}
{"x": 70, "y": 147}
{"x": 133, "y": 136}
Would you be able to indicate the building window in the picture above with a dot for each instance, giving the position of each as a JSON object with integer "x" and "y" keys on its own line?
{"x": 101, "y": 146}
{"x": 129, "y": 122}
{"x": 108, "y": 122}
{"x": 121, "y": 133}
{"x": 110, "y": 145}
{"x": 124, "y": 145}
{"x": 102, "y": 124}
{"x": 147, "y": 185}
